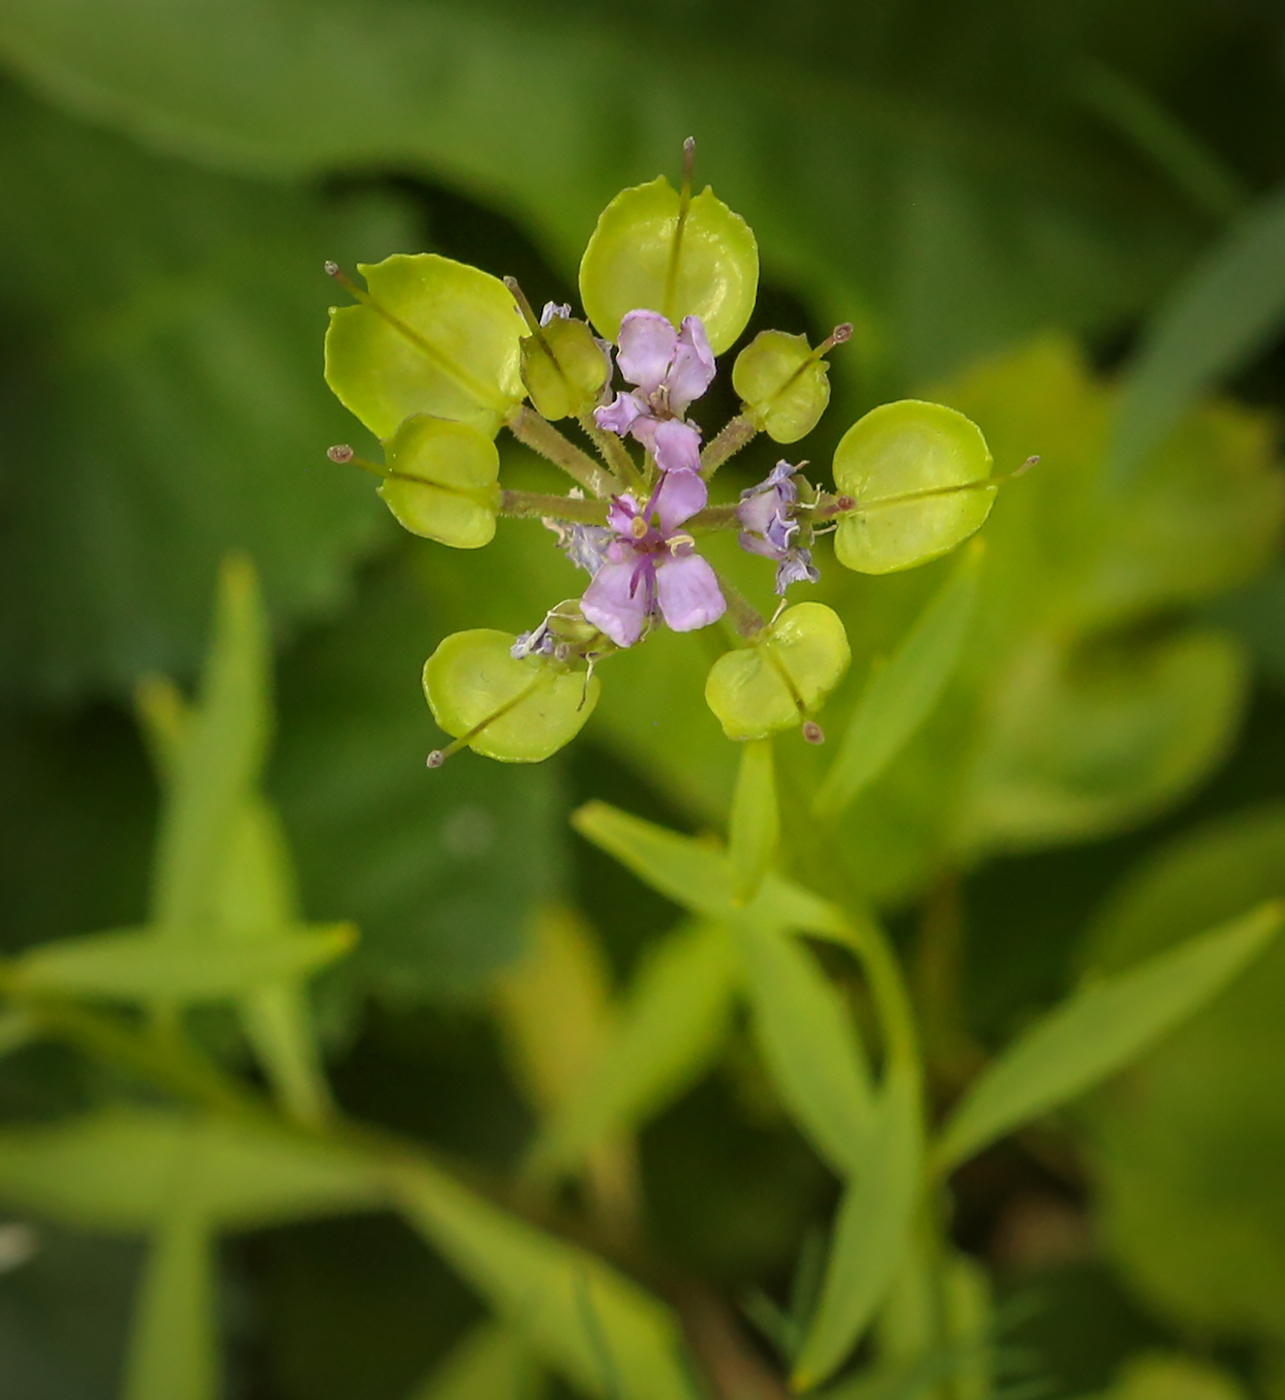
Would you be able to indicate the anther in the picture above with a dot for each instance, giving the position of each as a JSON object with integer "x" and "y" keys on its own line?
{"x": 813, "y": 732}
{"x": 637, "y": 527}
{"x": 842, "y": 333}
{"x": 332, "y": 268}
{"x": 562, "y": 652}
{"x": 340, "y": 452}
{"x": 436, "y": 759}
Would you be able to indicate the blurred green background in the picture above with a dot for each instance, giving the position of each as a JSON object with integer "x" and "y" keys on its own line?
{"x": 1020, "y": 206}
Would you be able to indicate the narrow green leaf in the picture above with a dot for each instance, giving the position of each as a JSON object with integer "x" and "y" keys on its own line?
{"x": 667, "y": 1032}
{"x": 755, "y": 825}
{"x": 568, "y": 1305}
{"x": 220, "y": 759}
{"x": 1219, "y": 317}
{"x": 899, "y": 696}
{"x": 1100, "y": 1030}
{"x": 173, "y": 1345}
{"x": 139, "y": 965}
{"x": 696, "y": 874}
{"x": 871, "y": 1234}
{"x": 490, "y": 1363}
{"x": 810, "y": 1043}
{"x": 109, "y": 1171}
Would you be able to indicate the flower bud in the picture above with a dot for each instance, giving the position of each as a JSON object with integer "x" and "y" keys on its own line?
{"x": 918, "y": 475}
{"x": 655, "y": 249}
{"x": 564, "y": 369}
{"x": 443, "y": 481}
{"x": 430, "y": 336}
{"x": 782, "y": 679}
{"x": 516, "y": 711}
{"x": 783, "y": 384}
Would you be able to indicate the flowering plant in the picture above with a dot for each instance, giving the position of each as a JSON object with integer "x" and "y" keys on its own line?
{"x": 436, "y": 358}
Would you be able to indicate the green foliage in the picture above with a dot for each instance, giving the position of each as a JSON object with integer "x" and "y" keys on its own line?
{"x": 1160, "y": 1377}
{"x": 1187, "y": 1147}
{"x": 871, "y": 1232}
{"x": 666, "y": 1032}
{"x": 432, "y": 336}
{"x": 491, "y": 1363}
{"x": 916, "y": 472}
{"x": 162, "y": 404}
{"x": 519, "y": 711}
{"x": 442, "y": 481}
{"x": 1224, "y": 312}
{"x": 783, "y": 677}
{"x": 678, "y": 254}
{"x": 783, "y": 383}
{"x": 1101, "y": 1029}
{"x": 806, "y": 1033}
{"x": 900, "y": 695}
{"x": 754, "y": 827}
{"x": 575, "y": 1311}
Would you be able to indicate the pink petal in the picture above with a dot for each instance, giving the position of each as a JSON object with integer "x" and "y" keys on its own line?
{"x": 677, "y": 446}
{"x": 693, "y": 369}
{"x": 647, "y": 342}
{"x": 688, "y": 593}
{"x": 618, "y": 417}
{"x": 678, "y": 497}
{"x": 611, "y": 607}
{"x": 622, "y": 512}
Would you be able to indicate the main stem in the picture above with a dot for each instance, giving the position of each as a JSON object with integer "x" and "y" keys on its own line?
{"x": 541, "y": 436}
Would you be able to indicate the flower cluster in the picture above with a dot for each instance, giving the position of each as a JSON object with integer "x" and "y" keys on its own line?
{"x": 436, "y": 357}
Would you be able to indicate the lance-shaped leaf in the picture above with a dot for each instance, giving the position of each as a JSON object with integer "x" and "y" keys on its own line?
{"x": 872, "y": 1232}
{"x": 755, "y": 824}
{"x": 669, "y": 1028}
{"x": 434, "y": 336}
{"x": 603, "y": 1332}
{"x": 111, "y": 1170}
{"x": 899, "y": 696}
{"x": 696, "y": 875}
{"x": 1222, "y": 314}
{"x": 810, "y": 1043}
{"x": 219, "y": 763}
{"x": 1100, "y": 1030}
{"x": 137, "y": 965}
{"x": 658, "y": 250}
{"x": 490, "y": 1363}
{"x": 173, "y": 1344}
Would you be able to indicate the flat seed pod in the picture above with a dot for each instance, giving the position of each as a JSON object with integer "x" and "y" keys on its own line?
{"x": 437, "y": 336}
{"x": 784, "y": 678}
{"x": 904, "y": 464}
{"x": 445, "y": 484}
{"x": 642, "y": 256}
{"x": 514, "y": 711}
{"x": 782, "y": 385}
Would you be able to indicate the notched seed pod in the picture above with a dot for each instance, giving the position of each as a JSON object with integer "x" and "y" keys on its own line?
{"x": 919, "y": 477}
{"x": 506, "y": 708}
{"x": 783, "y": 679}
{"x": 784, "y": 383}
{"x": 660, "y": 249}
{"x": 442, "y": 481}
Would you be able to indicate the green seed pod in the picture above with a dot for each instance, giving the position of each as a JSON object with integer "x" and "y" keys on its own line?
{"x": 784, "y": 678}
{"x": 914, "y": 470}
{"x": 783, "y": 384}
{"x": 432, "y": 336}
{"x": 514, "y": 711}
{"x": 445, "y": 483}
{"x": 564, "y": 369}
{"x": 649, "y": 253}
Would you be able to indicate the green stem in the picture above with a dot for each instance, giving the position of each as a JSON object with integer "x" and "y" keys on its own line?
{"x": 614, "y": 453}
{"x": 538, "y": 505}
{"x": 712, "y": 518}
{"x": 540, "y": 436}
{"x": 737, "y": 433}
{"x": 741, "y": 613}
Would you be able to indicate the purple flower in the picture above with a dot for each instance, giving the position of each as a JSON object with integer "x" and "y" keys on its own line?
{"x": 767, "y": 527}
{"x": 652, "y": 568}
{"x": 671, "y": 369}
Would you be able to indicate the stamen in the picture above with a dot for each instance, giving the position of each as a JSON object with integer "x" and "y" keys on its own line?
{"x": 436, "y": 758}
{"x": 840, "y": 335}
{"x": 345, "y": 456}
{"x": 638, "y": 527}
{"x": 676, "y": 541}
